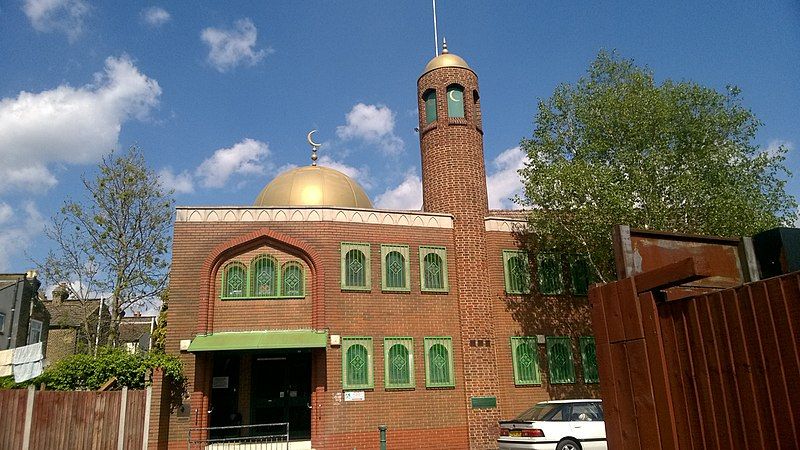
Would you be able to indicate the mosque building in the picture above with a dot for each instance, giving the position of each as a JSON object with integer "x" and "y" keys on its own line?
{"x": 311, "y": 307}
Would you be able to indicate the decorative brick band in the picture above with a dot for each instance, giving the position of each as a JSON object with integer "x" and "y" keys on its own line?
{"x": 505, "y": 225}
{"x": 224, "y": 251}
{"x": 250, "y": 214}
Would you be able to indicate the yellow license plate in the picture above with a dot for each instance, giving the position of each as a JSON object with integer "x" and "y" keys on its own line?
{"x": 515, "y": 433}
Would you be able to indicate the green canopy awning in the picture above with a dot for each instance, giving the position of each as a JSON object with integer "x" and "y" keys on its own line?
{"x": 259, "y": 340}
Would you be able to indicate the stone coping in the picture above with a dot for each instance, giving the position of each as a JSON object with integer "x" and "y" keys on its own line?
{"x": 312, "y": 214}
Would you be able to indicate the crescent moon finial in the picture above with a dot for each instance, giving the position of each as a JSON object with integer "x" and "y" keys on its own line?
{"x": 314, "y": 147}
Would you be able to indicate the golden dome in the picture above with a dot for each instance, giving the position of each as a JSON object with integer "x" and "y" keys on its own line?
{"x": 313, "y": 186}
{"x": 446, "y": 59}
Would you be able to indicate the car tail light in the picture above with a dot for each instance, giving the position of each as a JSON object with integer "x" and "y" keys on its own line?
{"x": 535, "y": 432}
{"x": 503, "y": 431}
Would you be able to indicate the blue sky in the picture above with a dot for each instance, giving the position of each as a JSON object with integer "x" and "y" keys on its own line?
{"x": 220, "y": 95}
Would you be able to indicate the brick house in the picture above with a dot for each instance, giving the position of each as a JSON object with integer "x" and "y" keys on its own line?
{"x": 314, "y": 308}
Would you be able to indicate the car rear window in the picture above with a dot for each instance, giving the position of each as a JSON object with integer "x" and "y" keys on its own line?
{"x": 546, "y": 411}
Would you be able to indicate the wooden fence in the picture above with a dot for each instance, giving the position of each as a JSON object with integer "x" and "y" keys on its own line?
{"x": 33, "y": 420}
{"x": 713, "y": 371}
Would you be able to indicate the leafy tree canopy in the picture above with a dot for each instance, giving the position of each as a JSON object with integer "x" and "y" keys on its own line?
{"x": 619, "y": 148}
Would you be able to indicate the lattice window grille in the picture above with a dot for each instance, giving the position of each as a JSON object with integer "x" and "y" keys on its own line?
{"x": 439, "y": 362}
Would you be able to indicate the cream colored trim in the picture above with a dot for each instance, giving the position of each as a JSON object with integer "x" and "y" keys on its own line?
{"x": 350, "y": 215}
{"x": 505, "y": 225}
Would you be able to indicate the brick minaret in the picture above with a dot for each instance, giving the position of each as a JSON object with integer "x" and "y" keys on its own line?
{"x": 454, "y": 182}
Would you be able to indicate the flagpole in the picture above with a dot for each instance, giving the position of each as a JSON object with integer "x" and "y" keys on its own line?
{"x": 435, "y": 30}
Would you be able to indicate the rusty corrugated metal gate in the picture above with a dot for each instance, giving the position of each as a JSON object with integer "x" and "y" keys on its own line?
{"x": 718, "y": 370}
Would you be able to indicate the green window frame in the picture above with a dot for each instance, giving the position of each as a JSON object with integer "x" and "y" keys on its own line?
{"x": 549, "y": 273}
{"x": 579, "y": 274}
{"x": 439, "y": 362}
{"x": 357, "y": 363}
{"x": 429, "y": 97}
{"x": 355, "y": 266}
{"x": 591, "y": 373}
{"x": 293, "y": 280}
{"x": 264, "y": 276}
{"x": 455, "y": 101}
{"x": 396, "y": 268}
{"x": 398, "y": 362}
{"x": 525, "y": 359}
{"x": 433, "y": 269}
{"x": 517, "y": 272}
{"x": 559, "y": 360}
{"x": 234, "y": 280}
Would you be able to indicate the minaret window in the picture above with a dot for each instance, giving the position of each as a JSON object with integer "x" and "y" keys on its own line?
{"x": 429, "y": 97}
{"x": 455, "y": 101}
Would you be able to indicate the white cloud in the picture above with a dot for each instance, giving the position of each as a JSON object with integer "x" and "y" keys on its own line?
{"x": 359, "y": 174}
{"x": 245, "y": 157}
{"x": 235, "y": 46}
{"x": 17, "y": 236}
{"x": 505, "y": 182}
{"x": 180, "y": 183}
{"x": 70, "y": 125}
{"x": 6, "y": 212}
{"x": 774, "y": 145}
{"x": 406, "y": 196}
{"x": 373, "y": 124}
{"x": 155, "y": 16}
{"x": 65, "y": 16}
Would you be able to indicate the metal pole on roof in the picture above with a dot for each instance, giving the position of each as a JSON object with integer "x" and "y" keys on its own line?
{"x": 435, "y": 30}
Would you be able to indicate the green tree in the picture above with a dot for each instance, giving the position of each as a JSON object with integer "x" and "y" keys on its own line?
{"x": 114, "y": 242}
{"x": 619, "y": 148}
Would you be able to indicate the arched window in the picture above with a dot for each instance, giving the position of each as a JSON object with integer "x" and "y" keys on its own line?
{"x": 395, "y": 266}
{"x": 234, "y": 281}
{"x": 526, "y": 360}
{"x": 429, "y": 97}
{"x": 398, "y": 366}
{"x": 293, "y": 280}
{"x": 439, "y": 362}
{"x": 357, "y": 363}
{"x": 476, "y": 107}
{"x": 455, "y": 101}
{"x": 264, "y": 276}
{"x": 517, "y": 272}
{"x": 356, "y": 267}
{"x": 559, "y": 360}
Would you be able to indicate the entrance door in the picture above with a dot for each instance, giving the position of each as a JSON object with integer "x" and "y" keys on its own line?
{"x": 224, "y": 403}
{"x": 281, "y": 391}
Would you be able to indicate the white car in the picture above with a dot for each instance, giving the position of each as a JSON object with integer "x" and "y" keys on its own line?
{"x": 556, "y": 425}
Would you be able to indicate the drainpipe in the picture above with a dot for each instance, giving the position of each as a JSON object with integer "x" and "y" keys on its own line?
{"x": 382, "y": 429}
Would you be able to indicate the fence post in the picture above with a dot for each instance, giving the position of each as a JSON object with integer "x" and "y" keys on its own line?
{"x": 382, "y": 429}
{"x": 146, "y": 427}
{"x": 123, "y": 406}
{"x": 26, "y": 437}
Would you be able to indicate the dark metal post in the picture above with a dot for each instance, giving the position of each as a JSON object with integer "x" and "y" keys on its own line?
{"x": 382, "y": 429}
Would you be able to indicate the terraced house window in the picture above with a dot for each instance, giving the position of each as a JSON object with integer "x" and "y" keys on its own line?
{"x": 355, "y": 266}
{"x": 580, "y": 274}
{"x": 559, "y": 360}
{"x": 525, "y": 358}
{"x": 264, "y": 276}
{"x": 293, "y": 280}
{"x": 439, "y": 362}
{"x": 234, "y": 281}
{"x": 517, "y": 272}
{"x": 398, "y": 357}
{"x": 356, "y": 363}
{"x": 433, "y": 268}
{"x": 589, "y": 360}
{"x": 394, "y": 275}
{"x": 549, "y": 271}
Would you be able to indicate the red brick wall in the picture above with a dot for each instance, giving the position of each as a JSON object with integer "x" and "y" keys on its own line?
{"x": 530, "y": 315}
{"x": 335, "y": 424}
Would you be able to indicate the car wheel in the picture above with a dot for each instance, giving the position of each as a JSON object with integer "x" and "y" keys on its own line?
{"x": 568, "y": 444}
